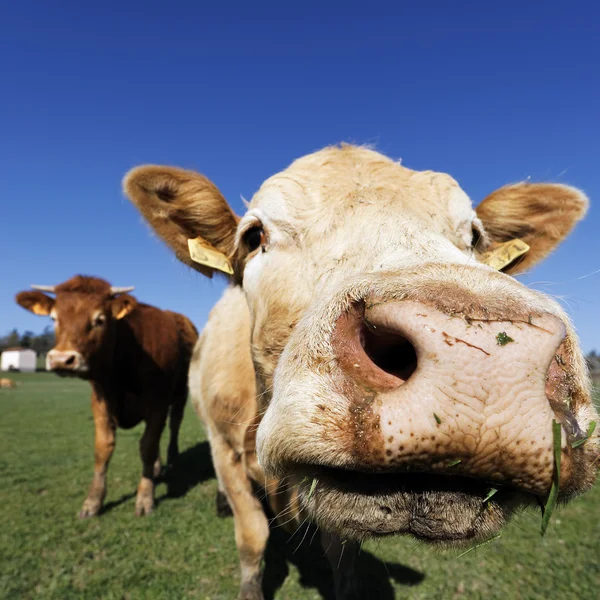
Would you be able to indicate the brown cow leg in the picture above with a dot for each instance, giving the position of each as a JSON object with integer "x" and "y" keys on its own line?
{"x": 104, "y": 445}
{"x": 149, "y": 448}
{"x": 251, "y": 526}
{"x": 175, "y": 419}
{"x": 341, "y": 556}
{"x": 157, "y": 466}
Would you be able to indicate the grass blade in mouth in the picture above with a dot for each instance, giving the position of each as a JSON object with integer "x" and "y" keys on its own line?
{"x": 452, "y": 463}
{"x": 490, "y": 494}
{"x": 437, "y": 419}
{"x": 582, "y": 441}
{"x": 313, "y": 486}
{"x": 485, "y": 543}
{"x": 553, "y": 495}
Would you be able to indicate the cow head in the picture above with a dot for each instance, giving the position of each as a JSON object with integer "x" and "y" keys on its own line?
{"x": 400, "y": 376}
{"x": 84, "y": 311}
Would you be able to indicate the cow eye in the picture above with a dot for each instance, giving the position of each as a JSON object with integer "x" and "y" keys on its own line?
{"x": 475, "y": 236}
{"x": 254, "y": 238}
{"x": 99, "y": 320}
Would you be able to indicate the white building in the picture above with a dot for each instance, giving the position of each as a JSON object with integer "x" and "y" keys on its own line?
{"x": 18, "y": 359}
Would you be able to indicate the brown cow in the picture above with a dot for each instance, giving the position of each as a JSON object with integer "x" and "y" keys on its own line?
{"x": 399, "y": 376}
{"x": 135, "y": 357}
{"x": 7, "y": 383}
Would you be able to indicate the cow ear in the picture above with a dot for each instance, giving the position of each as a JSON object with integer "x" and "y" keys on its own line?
{"x": 122, "y": 305}
{"x": 540, "y": 214}
{"x": 181, "y": 206}
{"x": 36, "y": 302}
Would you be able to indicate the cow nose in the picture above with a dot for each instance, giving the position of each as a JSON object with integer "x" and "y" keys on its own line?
{"x": 449, "y": 393}
{"x": 69, "y": 360}
{"x": 384, "y": 345}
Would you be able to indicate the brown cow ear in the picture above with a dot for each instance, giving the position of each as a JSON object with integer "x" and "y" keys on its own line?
{"x": 36, "y": 302}
{"x": 183, "y": 205}
{"x": 122, "y": 305}
{"x": 540, "y": 214}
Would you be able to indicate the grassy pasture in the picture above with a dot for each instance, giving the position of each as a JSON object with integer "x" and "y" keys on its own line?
{"x": 184, "y": 551}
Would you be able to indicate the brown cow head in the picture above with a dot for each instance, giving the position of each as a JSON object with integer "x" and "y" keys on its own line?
{"x": 400, "y": 376}
{"x": 84, "y": 311}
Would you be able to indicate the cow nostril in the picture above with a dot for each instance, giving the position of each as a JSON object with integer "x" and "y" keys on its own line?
{"x": 70, "y": 361}
{"x": 390, "y": 351}
{"x": 377, "y": 355}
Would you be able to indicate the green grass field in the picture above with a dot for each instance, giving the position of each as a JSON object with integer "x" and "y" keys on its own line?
{"x": 184, "y": 551}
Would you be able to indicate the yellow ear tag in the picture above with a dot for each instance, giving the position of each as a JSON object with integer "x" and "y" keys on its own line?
{"x": 123, "y": 312}
{"x": 38, "y": 309}
{"x": 203, "y": 253}
{"x": 504, "y": 254}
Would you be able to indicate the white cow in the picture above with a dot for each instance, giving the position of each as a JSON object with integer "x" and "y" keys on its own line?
{"x": 398, "y": 376}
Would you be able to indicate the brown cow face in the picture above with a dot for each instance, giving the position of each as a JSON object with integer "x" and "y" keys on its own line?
{"x": 84, "y": 312}
{"x": 397, "y": 371}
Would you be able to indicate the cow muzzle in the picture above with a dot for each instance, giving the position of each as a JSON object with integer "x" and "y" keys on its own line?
{"x": 452, "y": 395}
{"x": 65, "y": 363}
{"x": 419, "y": 412}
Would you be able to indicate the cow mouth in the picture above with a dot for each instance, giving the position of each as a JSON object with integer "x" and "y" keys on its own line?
{"x": 450, "y": 511}
{"x": 80, "y": 373}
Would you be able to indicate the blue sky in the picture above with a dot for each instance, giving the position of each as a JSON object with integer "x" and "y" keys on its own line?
{"x": 489, "y": 92}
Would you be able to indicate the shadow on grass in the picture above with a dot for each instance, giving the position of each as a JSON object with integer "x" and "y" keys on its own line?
{"x": 193, "y": 467}
{"x": 114, "y": 503}
{"x": 308, "y": 556}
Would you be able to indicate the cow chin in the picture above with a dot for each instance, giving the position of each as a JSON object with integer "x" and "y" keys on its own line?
{"x": 445, "y": 511}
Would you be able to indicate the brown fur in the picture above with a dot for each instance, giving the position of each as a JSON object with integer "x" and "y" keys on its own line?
{"x": 7, "y": 383}
{"x": 137, "y": 361}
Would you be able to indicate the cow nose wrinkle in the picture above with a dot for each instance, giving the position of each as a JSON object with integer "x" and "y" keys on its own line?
{"x": 389, "y": 351}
